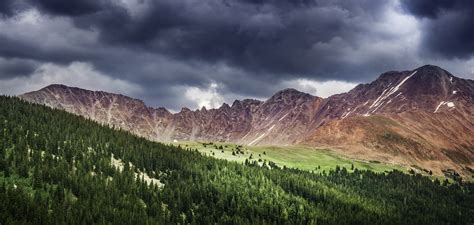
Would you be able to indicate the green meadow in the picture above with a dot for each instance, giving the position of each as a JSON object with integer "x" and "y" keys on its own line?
{"x": 301, "y": 157}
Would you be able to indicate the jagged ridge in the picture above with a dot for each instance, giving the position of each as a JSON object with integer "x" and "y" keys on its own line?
{"x": 419, "y": 116}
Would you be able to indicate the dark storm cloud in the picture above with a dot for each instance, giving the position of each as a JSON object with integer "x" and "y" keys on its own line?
{"x": 241, "y": 45}
{"x": 69, "y": 8}
{"x": 17, "y": 49}
{"x": 16, "y": 67}
{"x": 428, "y": 8}
{"x": 6, "y": 8}
{"x": 449, "y": 28}
{"x": 276, "y": 37}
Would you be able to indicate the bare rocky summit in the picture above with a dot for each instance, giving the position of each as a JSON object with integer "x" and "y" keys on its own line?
{"x": 423, "y": 117}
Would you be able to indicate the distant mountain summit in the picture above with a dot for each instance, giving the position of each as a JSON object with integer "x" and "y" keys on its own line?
{"x": 421, "y": 89}
{"x": 423, "y": 117}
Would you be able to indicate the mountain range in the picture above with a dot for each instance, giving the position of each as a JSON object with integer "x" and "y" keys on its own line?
{"x": 422, "y": 118}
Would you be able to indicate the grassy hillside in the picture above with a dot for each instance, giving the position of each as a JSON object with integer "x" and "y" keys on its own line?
{"x": 300, "y": 157}
{"x": 57, "y": 168}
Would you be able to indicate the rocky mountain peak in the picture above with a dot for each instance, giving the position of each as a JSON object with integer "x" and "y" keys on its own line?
{"x": 426, "y": 73}
{"x": 185, "y": 110}
{"x": 288, "y": 92}
{"x": 289, "y": 95}
{"x": 225, "y": 106}
{"x": 56, "y": 87}
{"x": 432, "y": 70}
{"x": 391, "y": 114}
{"x": 162, "y": 111}
{"x": 428, "y": 88}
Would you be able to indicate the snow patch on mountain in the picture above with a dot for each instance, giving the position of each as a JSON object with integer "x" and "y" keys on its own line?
{"x": 387, "y": 93}
{"x": 283, "y": 117}
{"x": 257, "y": 139}
{"x": 439, "y": 105}
{"x": 262, "y": 135}
{"x": 449, "y": 104}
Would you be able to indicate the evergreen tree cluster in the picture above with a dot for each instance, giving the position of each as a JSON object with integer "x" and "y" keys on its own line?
{"x": 58, "y": 168}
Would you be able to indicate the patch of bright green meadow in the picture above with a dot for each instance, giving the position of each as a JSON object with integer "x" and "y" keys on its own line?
{"x": 301, "y": 157}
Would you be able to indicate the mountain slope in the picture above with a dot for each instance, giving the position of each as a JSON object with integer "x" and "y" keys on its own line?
{"x": 58, "y": 168}
{"x": 422, "y": 117}
{"x": 245, "y": 121}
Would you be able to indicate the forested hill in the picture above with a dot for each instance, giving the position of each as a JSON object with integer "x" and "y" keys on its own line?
{"x": 57, "y": 168}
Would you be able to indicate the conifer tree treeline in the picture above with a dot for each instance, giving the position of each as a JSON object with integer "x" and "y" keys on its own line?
{"x": 57, "y": 168}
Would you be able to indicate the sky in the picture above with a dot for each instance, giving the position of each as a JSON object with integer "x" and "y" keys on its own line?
{"x": 194, "y": 53}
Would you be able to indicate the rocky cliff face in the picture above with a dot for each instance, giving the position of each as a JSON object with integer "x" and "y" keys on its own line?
{"x": 423, "y": 117}
{"x": 285, "y": 116}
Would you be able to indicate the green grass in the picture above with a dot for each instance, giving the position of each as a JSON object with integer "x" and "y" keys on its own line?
{"x": 301, "y": 157}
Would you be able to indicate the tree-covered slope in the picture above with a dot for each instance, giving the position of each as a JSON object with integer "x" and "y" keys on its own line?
{"x": 57, "y": 168}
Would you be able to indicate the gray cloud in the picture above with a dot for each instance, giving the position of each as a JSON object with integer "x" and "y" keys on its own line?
{"x": 248, "y": 48}
{"x": 6, "y": 8}
{"x": 69, "y": 8}
{"x": 448, "y": 26}
{"x": 257, "y": 36}
{"x": 16, "y": 67}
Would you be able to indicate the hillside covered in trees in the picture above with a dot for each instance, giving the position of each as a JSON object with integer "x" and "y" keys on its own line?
{"x": 57, "y": 168}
